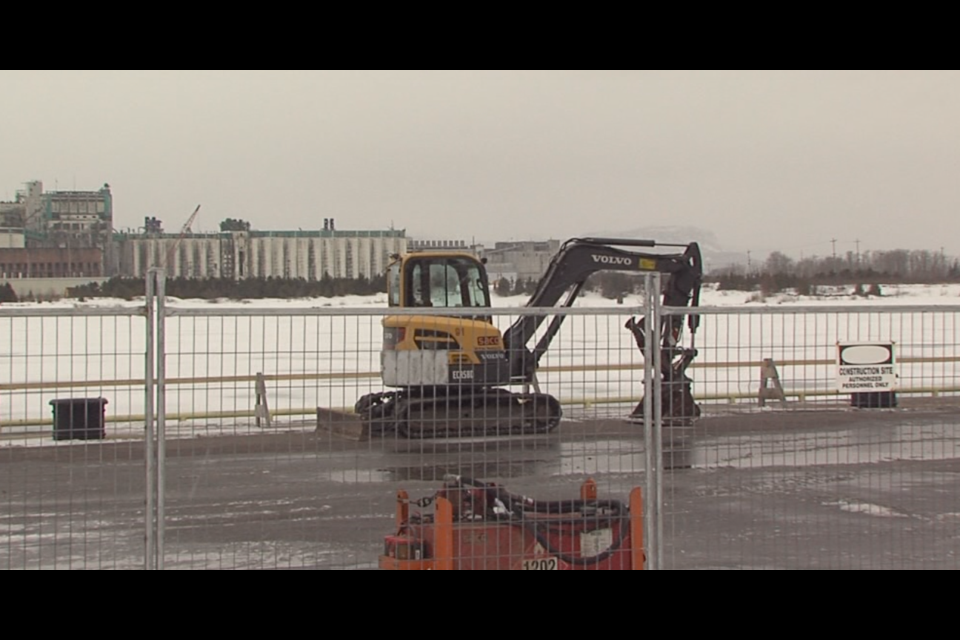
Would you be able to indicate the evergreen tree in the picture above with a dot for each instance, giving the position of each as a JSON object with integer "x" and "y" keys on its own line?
{"x": 519, "y": 287}
{"x": 234, "y": 225}
{"x": 7, "y": 294}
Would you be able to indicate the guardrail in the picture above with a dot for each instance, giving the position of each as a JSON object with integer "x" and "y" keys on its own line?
{"x": 370, "y": 375}
{"x": 800, "y": 394}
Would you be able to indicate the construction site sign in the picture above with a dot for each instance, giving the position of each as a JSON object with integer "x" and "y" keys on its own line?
{"x": 865, "y": 367}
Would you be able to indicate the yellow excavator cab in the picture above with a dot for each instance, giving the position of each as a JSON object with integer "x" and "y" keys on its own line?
{"x": 440, "y": 350}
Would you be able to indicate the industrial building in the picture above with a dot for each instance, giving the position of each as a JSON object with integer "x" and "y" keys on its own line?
{"x": 78, "y": 219}
{"x": 239, "y": 255}
{"x": 53, "y": 240}
{"x": 51, "y": 263}
{"x": 12, "y": 238}
{"x": 43, "y": 234}
{"x": 70, "y": 235}
{"x": 520, "y": 260}
{"x": 442, "y": 245}
{"x": 67, "y": 233}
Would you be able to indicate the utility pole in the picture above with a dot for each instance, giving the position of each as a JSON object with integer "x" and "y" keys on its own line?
{"x": 834, "y": 242}
{"x": 858, "y": 251}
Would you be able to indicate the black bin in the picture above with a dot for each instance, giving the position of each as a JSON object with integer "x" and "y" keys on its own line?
{"x": 79, "y": 419}
{"x": 874, "y": 400}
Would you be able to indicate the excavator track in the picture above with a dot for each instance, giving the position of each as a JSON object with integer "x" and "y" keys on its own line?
{"x": 461, "y": 413}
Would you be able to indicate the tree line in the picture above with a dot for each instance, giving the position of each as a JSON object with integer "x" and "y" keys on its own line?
{"x": 611, "y": 285}
{"x": 866, "y": 270}
{"x": 248, "y": 289}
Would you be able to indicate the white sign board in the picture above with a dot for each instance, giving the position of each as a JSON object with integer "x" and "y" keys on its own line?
{"x": 866, "y": 367}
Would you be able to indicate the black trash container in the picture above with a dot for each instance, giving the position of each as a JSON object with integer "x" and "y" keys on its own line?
{"x": 79, "y": 419}
{"x": 874, "y": 400}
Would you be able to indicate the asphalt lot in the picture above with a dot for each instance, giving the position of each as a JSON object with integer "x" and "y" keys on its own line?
{"x": 777, "y": 489}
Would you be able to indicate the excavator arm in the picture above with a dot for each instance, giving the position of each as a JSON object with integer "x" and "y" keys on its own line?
{"x": 567, "y": 274}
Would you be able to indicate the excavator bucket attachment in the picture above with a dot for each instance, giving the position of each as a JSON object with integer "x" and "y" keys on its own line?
{"x": 342, "y": 423}
{"x": 678, "y": 406}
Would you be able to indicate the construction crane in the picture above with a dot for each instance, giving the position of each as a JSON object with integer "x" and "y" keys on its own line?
{"x": 183, "y": 232}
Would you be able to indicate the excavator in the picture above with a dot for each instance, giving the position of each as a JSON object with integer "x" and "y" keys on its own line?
{"x": 450, "y": 372}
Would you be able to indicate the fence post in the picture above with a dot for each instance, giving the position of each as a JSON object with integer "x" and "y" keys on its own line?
{"x": 652, "y": 418}
{"x": 161, "y": 414}
{"x": 656, "y": 339}
{"x": 155, "y": 418}
{"x": 149, "y": 559}
{"x": 262, "y": 408}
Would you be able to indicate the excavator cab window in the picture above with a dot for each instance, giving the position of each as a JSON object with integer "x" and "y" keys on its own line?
{"x": 446, "y": 282}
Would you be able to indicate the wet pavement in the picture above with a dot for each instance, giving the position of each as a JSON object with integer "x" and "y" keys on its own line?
{"x": 774, "y": 489}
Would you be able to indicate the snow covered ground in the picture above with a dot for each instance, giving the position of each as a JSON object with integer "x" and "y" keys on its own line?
{"x": 76, "y": 356}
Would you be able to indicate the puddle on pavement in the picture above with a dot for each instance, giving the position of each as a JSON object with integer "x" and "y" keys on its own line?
{"x": 587, "y": 457}
{"x": 808, "y": 449}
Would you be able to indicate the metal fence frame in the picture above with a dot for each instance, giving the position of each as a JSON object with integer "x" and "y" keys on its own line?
{"x": 157, "y": 384}
{"x": 145, "y": 311}
{"x": 653, "y": 533}
{"x": 942, "y": 349}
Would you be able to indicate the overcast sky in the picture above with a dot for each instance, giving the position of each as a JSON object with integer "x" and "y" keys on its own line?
{"x": 763, "y": 160}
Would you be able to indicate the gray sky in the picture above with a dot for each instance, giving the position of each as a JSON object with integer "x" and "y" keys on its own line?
{"x": 764, "y": 160}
